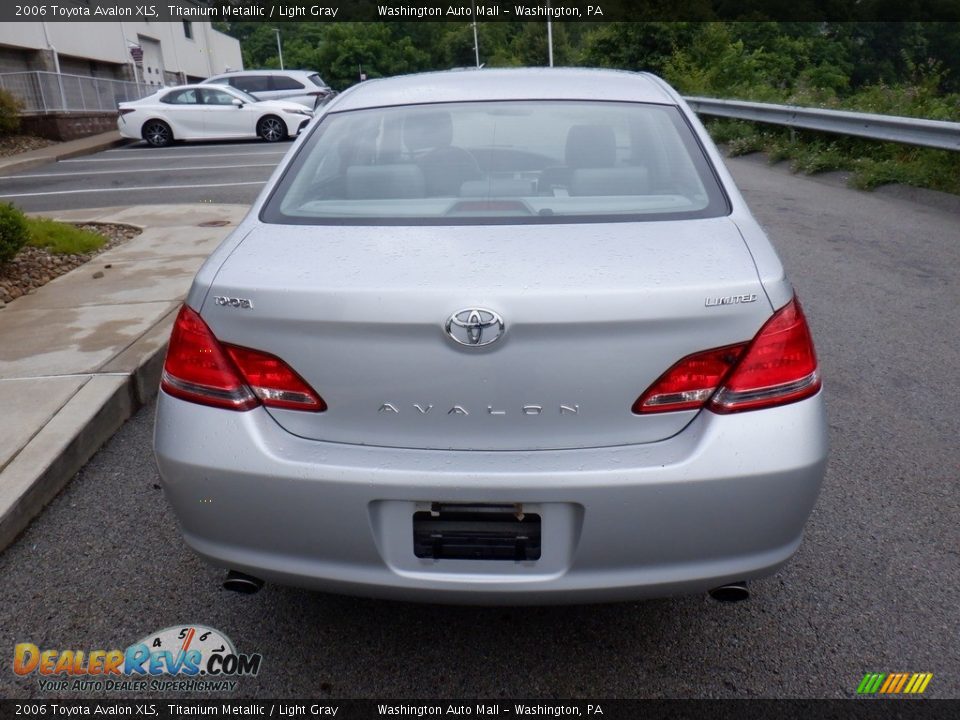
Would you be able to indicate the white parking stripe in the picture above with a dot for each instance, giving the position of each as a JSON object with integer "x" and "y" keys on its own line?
{"x": 175, "y": 149}
{"x": 172, "y": 157}
{"x": 137, "y": 170}
{"x": 130, "y": 189}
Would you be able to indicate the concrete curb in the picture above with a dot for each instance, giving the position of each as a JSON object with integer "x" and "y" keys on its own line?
{"x": 84, "y": 146}
{"x": 84, "y": 403}
{"x": 51, "y": 459}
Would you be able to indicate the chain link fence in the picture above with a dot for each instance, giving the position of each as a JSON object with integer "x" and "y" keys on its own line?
{"x": 52, "y": 92}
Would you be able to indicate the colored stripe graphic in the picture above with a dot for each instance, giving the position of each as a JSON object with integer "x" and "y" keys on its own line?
{"x": 871, "y": 683}
{"x": 894, "y": 683}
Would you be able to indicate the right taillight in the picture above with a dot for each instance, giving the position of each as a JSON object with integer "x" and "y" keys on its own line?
{"x": 200, "y": 369}
{"x": 778, "y": 367}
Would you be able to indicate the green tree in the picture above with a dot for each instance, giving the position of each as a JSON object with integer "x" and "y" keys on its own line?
{"x": 347, "y": 48}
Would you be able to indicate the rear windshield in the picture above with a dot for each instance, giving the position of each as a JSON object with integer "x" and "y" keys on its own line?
{"x": 489, "y": 162}
{"x": 317, "y": 80}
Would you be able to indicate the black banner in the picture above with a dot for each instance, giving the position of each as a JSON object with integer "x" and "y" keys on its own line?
{"x": 278, "y": 11}
{"x": 861, "y": 709}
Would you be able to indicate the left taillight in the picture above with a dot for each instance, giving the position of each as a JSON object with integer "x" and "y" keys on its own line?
{"x": 125, "y": 111}
{"x": 200, "y": 369}
{"x": 777, "y": 367}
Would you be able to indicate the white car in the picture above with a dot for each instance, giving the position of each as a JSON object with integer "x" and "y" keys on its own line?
{"x": 195, "y": 112}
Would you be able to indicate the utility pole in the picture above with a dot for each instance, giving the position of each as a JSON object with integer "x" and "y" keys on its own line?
{"x": 476, "y": 44}
{"x": 549, "y": 35}
{"x": 279, "y": 48}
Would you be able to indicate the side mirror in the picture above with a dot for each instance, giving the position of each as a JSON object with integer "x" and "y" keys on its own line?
{"x": 237, "y": 102}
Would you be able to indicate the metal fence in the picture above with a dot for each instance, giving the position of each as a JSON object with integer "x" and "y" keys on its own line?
{"x": 911, "y": 131}
{"x": 52, "y": 92}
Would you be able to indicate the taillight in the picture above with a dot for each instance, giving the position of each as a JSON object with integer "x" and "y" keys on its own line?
{"x": 778, "y": 366}
{"x": 199, "y": 369}
{"x": 126, "y": 111}
{"x": 274, "y": 382}
{"x": 690, "y": 382}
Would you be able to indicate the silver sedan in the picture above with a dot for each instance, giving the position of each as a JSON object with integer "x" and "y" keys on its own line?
{"x": 507, "y": 336}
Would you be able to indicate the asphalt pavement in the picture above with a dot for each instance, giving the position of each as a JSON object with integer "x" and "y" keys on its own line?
{"x": 874, "y": 587}
{"x": 210, "y": 172}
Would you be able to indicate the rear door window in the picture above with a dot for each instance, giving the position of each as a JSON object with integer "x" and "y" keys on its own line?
{"x": 182, "y": 97}
{"x": 251, "y": 83}
{"x": 283, "y": 82}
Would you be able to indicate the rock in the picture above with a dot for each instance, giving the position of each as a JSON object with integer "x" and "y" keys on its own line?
{"x": 98, "y": 274}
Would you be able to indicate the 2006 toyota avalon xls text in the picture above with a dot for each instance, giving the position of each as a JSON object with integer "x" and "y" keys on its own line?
{"x": 504, "y": 336}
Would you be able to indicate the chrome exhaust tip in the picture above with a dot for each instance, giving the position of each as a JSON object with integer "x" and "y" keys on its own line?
{"x": 731, "y": 592}
{"x": 239, "y": 582}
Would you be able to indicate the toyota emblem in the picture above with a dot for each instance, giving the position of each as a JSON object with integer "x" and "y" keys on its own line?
{"x": 475, "y": 327}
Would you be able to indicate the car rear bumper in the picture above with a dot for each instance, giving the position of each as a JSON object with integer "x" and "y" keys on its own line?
{"x": 127, "y": 129}
{"x": 726, "y": 499}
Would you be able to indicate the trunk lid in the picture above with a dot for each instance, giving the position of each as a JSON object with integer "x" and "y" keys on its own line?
{"x": 593, "y": 314}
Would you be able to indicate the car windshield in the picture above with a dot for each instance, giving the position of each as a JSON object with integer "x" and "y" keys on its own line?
{"x": 503, "y": 161}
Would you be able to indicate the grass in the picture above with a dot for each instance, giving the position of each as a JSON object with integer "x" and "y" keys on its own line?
{"x": 871, "y": 163}
{"x": 60, "y": 238}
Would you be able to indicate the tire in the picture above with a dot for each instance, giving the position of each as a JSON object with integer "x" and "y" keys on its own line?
{"x": 271, "y": 128}
{"x": 157, "y": 133}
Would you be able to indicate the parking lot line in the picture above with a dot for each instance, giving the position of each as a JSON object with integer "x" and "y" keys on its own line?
{"x": 133, "y": 170}
{"x": 172, "y": 157}
{"x": 130, "y": 189}
{"x": 188, "y": 146}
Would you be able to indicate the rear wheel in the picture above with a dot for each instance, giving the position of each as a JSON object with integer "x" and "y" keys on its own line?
{"x": 157, "y": 133}
{"x": 271, "y": 128}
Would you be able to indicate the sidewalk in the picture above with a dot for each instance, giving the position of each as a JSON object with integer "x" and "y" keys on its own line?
{"x": 82, "y": 354}
{"x": 60, "y": 151}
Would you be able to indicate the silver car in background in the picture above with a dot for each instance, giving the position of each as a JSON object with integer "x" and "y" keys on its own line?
{"x": 509, "y": 336}
{"x": 300, "y": 86}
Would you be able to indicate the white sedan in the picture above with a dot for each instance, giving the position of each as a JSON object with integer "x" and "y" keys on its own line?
{"x": 202, "y": 112}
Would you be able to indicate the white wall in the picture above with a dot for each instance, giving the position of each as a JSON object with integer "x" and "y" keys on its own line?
{"x": 208, "y": 53}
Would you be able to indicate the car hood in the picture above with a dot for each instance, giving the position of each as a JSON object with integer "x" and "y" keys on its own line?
{"x": 282, "y": 105}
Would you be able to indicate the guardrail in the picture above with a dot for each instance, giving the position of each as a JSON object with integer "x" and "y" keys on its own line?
{"x": 42, "y": 91}
{"x": 893, "y": 128}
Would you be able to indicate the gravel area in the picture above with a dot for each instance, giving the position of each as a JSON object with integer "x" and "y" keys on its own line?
{"x": 16, "y": 144}
{"x": 32, "y": 268}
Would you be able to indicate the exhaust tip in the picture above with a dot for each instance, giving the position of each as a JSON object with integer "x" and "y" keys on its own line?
{"x": 731, "y": 592}
{"x": 242, "y": 583}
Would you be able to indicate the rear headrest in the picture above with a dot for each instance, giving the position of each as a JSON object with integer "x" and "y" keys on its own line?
{"x": 591, "y": 146}
{"x": 384, "y": 182}
{"x": 426, "y": 130}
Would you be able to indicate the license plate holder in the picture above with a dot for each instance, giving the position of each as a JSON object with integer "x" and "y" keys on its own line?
{"x": 476, "y": 532}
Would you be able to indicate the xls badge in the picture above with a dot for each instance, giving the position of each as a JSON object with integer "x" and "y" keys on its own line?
{"x": 179, "y": 658}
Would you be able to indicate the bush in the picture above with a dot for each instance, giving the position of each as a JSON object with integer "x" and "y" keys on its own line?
{"x": 10, "y": 108}
{"x": 13, "y": 232}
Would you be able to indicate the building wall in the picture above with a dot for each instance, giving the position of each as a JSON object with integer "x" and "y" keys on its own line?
{"x": 105, "y": 47}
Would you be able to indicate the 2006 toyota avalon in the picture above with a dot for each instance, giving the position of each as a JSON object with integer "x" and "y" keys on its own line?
{"x": 506, "y": 336}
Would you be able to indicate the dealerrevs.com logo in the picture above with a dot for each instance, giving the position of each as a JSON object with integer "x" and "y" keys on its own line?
{"x": 180, "y": 658}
